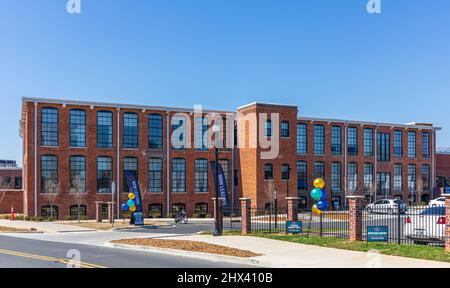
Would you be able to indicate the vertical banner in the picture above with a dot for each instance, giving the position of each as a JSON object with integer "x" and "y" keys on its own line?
{"x": 133, "y": 186}
{"x": 223, "y": 188}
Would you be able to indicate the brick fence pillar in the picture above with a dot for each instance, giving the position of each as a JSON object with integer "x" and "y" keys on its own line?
{"x": 98, "y": 211}
{"x": 111, "y": 212}
{"x": 356, "y": 207}
{"x": 246, "y": 216}
{"x": 292, "y": 204}
{"x": 447, "y": 229}
{"x": 218, "y": 218}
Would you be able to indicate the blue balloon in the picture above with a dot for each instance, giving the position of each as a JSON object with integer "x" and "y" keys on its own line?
{"x": 322, "y": 205}
{"x": 324, "y": 195}
{"x": 125, "y": 207}
{"x": 131, "y": 204}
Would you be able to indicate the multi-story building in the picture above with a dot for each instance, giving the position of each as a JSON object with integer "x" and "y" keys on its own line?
{"x": 443, "y": 171}
{"x": 86, "y": 147}
{"x": 11, "y": 195}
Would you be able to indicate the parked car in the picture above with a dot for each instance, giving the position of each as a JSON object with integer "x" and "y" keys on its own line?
{"x": 426, "y": 227}
{"x": 437, "y": 202}
{"x": 387, "y": 206}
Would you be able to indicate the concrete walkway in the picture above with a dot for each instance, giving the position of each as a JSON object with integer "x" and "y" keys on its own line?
{"x": 281, "y": 254}
{"x": 46, "y": 227}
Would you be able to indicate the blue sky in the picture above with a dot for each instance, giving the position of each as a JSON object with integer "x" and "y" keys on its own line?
{"x": 330, "y": 57}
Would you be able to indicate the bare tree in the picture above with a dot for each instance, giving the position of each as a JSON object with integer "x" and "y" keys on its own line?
{"x": 270, "y": 191}
{"x": 370, "y": 190}
{"x": 144, "y": 191}
{"x": 51, "y": 190}
{"x": 78, "y": 191}
{"x": 419, "y": 189}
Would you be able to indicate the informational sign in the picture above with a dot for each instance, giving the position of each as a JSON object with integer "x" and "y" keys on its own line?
{"x": 377, "y": 234}
{"x": 133, "y": 186}
{"x": 294, "y": 227}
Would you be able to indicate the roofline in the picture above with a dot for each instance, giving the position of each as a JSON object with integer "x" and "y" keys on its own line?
{"x": 115, "y": 105}
{"x": 11, "y": 168}
{"x": 268, "y": 104}
{"x": 369, "y": 123}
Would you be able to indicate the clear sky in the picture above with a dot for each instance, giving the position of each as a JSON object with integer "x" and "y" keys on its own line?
{"x": 330, "y": 57}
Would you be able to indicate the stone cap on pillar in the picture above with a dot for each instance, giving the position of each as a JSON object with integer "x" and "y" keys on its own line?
{"x": 111, "y": 203}
{"x": 99, "y": 202}
{"x": 292, "y": 198}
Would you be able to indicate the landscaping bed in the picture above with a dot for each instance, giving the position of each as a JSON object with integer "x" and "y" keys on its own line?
{"x": 14, "y": 230}
{"x": 106, "y": 225}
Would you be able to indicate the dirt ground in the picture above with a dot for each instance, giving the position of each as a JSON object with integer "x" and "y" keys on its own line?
{"x": 13, "y": 230}
{"x": 189, "y": 246}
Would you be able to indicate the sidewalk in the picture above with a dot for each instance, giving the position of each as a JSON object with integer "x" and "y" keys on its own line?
{"x": 46, "y": 227}
{"x": 280, "y": 254}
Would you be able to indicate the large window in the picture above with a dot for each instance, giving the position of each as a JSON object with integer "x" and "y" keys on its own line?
{"x": 384, "y": 184}
{"x": 104, "y": 174}
{"x": 426, "y": 177}
{"x": 201, "y": 210}
{"x": 225, "y": 163}
{"x": 178, "y": 175}
{"x": 302, "y": 176}
{"x": 336, "y": 176}
{"x": 155, "y": 175}
{"x": 352, "y": 141}
{"x": 77, "y": 128}
{"x": 74, "y": 209}
{"x": 352, "y": 177}
{"x": 155, "y": 131}
{"x": 130, "y": 130}
{"x": 201, "y": 133}
{"x": 179, "y": 133}
{"x": 398, "y": 144}
{"x": 50, "y": 211}
{"x": 268, "y": 128}
{"x": 336, "y": 140}
{"x": 285, "y": 131}
{"x": 201, "y": 175}
{"x": 104, "y": 129}
{"x": 426, "y": 145}
{"x": 77, "y": 175}
{"x": 129, "y": 164}
{"x": 319, "y": 139}
{"x": 398, "y": 178}
{"x": 49, "y": 127}
{"x": 302, "y": 146}
{"x": 412, "y": 178}
{"x": 155, "y": 210}
{"x": 412, "y": 151}
{"x": 285, "y": 172}
{"x": 384, "y": 147}
{"x": 49, "y": 173}
{"x": 368, "y": 142}
{"x": 368, "y": 178}
{"x": 268, "y": 172}
{"x": 319, "y": 170}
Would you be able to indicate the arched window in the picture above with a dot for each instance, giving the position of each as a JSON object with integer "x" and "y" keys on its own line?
{"x": 104, "y": 129}
{"x": 77, "y": 128}
{"x": 49, "y": 126}
{"x": 178, "y": 175}
{"x": 49, "y": 211}
{"x": 285, "y": 130}
{"x": 49, "y": 174}
{"x": 268, "y": 172}
{"x": 201, "y": 209}
{"x": 130, "y": 130}
{"x": 201, "y": 175}
{"x": 155, "y": 210}
{"x": 74, "y": 211}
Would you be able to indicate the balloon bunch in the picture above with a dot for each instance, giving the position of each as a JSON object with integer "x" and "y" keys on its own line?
{"x": 320, "y": 195}
{"x": 131, "y": 204}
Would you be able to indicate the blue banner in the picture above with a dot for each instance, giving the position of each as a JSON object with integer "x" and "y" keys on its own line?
{"x": 133, "y": 186}
{"x": 223, "y": 188}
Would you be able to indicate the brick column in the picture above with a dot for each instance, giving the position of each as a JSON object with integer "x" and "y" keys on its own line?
{"x": 110, "y": 212}
{"x": 447, "y": 229}
{"x": 292, "y": 204}
{"x": 246, "y": 216}
{"x": 98, "y": 211}
{"x": 356, "y": 207}
{"x": 220, "y": 216}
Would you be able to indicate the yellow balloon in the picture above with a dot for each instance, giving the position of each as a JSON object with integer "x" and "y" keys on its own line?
{"x": 131, "y": 196}
{"x": 319, "y": 183}
{"x": 133, "y": 209}
{"x": 316, "y": 210}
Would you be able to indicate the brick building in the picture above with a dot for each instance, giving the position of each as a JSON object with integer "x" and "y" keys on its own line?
{"x": 11, "y": 194}
{"x": 443, "y": 170}
{"x": 264, "y": 147}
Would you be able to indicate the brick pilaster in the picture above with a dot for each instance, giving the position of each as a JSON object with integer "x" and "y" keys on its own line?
{"x": 246, "y": 216}
{"x": 356, "y": 207}
{"x": 292, "y": 204}
{"x": 98, "y": 211}
{"x": 447, "y": 215}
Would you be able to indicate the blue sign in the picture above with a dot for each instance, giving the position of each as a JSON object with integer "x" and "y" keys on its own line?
{"x": 223, "y": 187}
{"x": 294, "y": 227}
{"x": 377, "y": 234}
{"x": 133, "y": 186}
{"x": 447, "y": 190}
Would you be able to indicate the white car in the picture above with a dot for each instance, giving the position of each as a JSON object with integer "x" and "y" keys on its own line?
{"x": 387, "y": 206}
{"x": 426, "y": 227}
{"x": 437, "y": 202}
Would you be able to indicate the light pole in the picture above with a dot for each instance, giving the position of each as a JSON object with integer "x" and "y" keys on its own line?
{"x": 217, "y": 228}
{"x": 275, "y": 198}
{"x": 113, "y": 192}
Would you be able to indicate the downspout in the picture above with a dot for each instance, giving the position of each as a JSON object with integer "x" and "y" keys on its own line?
{"x": 35, "y": 158}
{"x": 375, "y": 156}
{"x": 118, "y": 190}
{"x": 167, "y": 161}
{"x": 433, "y": 168}
{"x": 233, "y": 169}
{"x": 345, "y": 162}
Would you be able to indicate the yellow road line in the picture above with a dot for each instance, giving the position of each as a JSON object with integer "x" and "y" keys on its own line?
{"x": 49, "y": 259}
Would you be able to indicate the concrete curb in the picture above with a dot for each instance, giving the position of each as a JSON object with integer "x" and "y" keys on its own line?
{"x": 188, "y": 254}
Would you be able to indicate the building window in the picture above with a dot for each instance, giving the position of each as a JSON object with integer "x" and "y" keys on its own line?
{"x": 130, "y": 130}
{"x": 105, "y": 211}
{"x": 155, "y": 174}
{"x": 49, "y": 127}
{"x": 49, "y": 174}
{"x": 398, "y": 178}
{"x": 225, "y": 164}
{"x": 336, "y": 140}
{"x": 268, "y": 172}
{"x": 201, "y": 210}
{"x": 77, "y": 174}
{"x": 398, "y": 144}
{"x": 285, "y": 131}
{"x": 17, "y": 183}
{"x": 179, "y": 133}
{"x": 155, "y": 131}
{"x": 336, "y": 176}
{"x": 104, "y": 174}
{"x": 302, "y": 146}
{"x": 285, "y": 172}
{"x": 104, "y": 129}
{"x": 155, "y": 211}
{"x": 426, "y": 177}
{"x": 77, "y": 128}
{"x": 426, "y": 145}
{"x": 74, "y": 211}
{"x": 178, "y": 175}
{"x": 178, "y": 207}
{"x": 201, "y": 133}
{"x": 412, "y": 154}
{"x": 368, "y": 178}
{"x": 319, "y": 139}
{"x": 352, "y": 141}
{"x": 384, "y": 184}
{"x": 368, "y": 142}
{"x": 50, "y": 211}
{"x": 5, "y": 182}
{"x": 302, "y": 175}
{"x": 352, "y": 177}
{"x": 130, "y": 164}
{"x": 383, "y": 147}
{"x": 319, "y": 170}
{"x": 201, "y": 175}
{"x": 412, "y": 178}
{"x": 302, "y": 202}
{"x": 268, "y": 128}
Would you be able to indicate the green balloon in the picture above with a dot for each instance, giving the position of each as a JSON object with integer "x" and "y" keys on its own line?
{"x": 316, "y": 194}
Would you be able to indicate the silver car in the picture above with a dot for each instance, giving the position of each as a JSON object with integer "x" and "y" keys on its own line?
{"x": 387, "y": 206}
{"x": 427, "y": 227}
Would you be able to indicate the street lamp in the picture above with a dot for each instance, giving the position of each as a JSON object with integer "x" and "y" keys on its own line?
{"x": 217, "y": 228}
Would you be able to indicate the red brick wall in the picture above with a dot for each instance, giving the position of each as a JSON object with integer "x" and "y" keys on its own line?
{"x": 12, "y": 198}
{"x": 443, "y": 165}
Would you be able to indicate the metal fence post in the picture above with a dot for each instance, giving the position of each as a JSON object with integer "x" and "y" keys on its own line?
{"x": 399, "y": 225}
{"x": 321, "y": 224}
